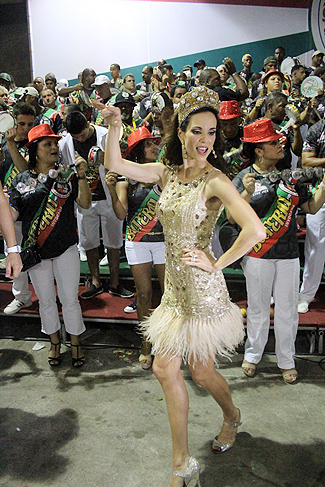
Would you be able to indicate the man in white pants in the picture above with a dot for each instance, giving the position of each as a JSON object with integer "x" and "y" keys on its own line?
{"x": 313, "y": 155}
{"x": 83, "y": 136}
{"x": 14, "y": 162}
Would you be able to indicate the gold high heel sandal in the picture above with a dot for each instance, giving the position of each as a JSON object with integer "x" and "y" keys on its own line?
{"x": 191, "y": 475}
{"x": 217, "y": 446}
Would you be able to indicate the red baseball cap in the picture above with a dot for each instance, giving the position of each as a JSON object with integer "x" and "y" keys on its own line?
{"x": 270, "y": 73}
{"x": 260, "y": 131}
{"x": 39, "y": 132}
{"x": 142, "y": 133}
{"x": 229, "y": 109}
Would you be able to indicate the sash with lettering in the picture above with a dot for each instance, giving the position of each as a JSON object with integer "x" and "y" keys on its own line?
{"x": 145, "y": 219}
{"x": 278, "y": 219}
{"x": 13, "y": 170}
{"x": 59, "y": 193}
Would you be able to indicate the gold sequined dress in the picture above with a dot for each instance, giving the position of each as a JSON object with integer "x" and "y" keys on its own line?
{"x": 195, "y": 319}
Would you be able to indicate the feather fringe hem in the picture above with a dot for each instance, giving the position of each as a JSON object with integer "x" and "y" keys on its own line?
{"x": 194, "y": 338}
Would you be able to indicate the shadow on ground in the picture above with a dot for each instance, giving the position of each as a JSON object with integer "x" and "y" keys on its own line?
{"x": 260, "y": 462}
{"x": 29, "y": 444}
{"x": 10, "y": 358}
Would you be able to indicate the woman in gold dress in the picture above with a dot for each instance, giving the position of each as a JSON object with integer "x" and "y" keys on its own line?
{"x": 196, "y": 319}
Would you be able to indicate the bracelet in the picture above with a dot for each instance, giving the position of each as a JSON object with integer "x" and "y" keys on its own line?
{"x": 82, "y": 177}
{"x": 14, "y": 250}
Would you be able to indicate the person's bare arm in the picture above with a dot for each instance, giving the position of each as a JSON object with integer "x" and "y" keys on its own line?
{"x": 13, "y": 260}
{"x": 255, "y": 111}
{"x": 310, "y": 159}
{"x": 249, "y": 185}
{"x": 241, "y": 86}
{"x": 252, "y": 229}
{"x": 118, "y": 192}
{"x": 84, "y": 192}
{"x": 297, "y": 143}
{"x": 316, "y": 201}
{"x": 311, "y": 105}
{"x": 69, "y": 89}
{"x": 18, "y": 160}
{"x": 145, "y": 173}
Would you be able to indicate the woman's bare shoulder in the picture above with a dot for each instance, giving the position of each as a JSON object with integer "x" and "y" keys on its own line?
{"x": 167, "y": 171}
{"x": 217, "y": 185}
{"x": 216, "y": 176}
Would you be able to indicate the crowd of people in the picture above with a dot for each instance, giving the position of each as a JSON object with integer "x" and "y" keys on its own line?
{"x": 161, "y": 154}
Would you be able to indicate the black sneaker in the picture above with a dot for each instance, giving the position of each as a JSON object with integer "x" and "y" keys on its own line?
{"x": 131, "y": 308}
{"x": 120, "y": 291}
{"x": 92, "y": 291}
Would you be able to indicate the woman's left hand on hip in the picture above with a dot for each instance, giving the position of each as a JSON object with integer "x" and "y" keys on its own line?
{"x": 198, "y": 258}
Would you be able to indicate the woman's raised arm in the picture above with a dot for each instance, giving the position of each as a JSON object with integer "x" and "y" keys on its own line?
{"x": 113, "y": 161}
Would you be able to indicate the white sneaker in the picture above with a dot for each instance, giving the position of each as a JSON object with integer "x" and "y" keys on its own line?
{"x": 131, "y": 308}
{"x": 303, "y": 306}
{"x": 83, "y": 256}
{"x": 104, "y": 261}
{"x": 15, "y": 306}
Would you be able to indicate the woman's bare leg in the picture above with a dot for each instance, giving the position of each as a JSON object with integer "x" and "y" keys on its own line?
{"x": 142, "y": 279}
{"x": 76, "y": 352}
{"x": 207, "y": 377}
{"x": 168, "y": 372}
{"x": 160, "y": 271}
{"x": 54, "y": 352}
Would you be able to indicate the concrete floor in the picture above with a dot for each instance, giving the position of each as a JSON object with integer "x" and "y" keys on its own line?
{"x": 106, "y": 425}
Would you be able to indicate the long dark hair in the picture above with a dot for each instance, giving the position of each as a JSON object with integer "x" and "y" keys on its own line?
{"x": 32, "y": 151}
{"x": 137, "y": 154}
{"x": 174, "y": 146}
{"x": 249, "y": 150}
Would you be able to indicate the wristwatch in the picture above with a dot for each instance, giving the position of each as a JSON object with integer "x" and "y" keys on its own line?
{"x": 14, "y": 250}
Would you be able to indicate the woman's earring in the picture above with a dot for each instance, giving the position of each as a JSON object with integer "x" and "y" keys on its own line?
{"x": 184, "y": 153}
{"x": 214, "y": 153}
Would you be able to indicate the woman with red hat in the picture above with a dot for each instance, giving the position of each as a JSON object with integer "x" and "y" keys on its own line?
{"x": 195, "y": 319}
{"x": 43, "y": 198}
{"x": 272, "y": 266}
{"x": 144, "y": 245}
{"x": 272, "y": 81}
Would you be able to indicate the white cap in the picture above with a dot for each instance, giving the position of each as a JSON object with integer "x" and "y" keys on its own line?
{"x": 63, "y": 83}
{"x": 317, "y": 52}
{"x": 29, "y": 90}
{"x": 101, "y": 80}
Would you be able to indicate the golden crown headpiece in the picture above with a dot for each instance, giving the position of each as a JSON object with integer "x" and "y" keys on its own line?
{"x": 200, "y": 97}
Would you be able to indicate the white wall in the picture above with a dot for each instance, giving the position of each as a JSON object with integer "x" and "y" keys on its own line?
{"x": 69, "y": 35}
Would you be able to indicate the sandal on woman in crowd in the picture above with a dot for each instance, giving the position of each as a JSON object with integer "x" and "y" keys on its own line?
{"x": 145, "y": 361}
{"x": 78, "y": 361}
{"x": 289, "y": 375}
{"x": 249, "y": 369}
{"x": 56, "y": 360}
{"x": 219, "y": 447}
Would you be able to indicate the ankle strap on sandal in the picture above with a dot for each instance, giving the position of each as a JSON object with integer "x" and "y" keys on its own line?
{"x": 236, "y": 423}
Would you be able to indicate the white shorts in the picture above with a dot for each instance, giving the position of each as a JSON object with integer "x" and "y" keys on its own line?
{"x": 89, "y": 221}
{"x": 143, "y": 252}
